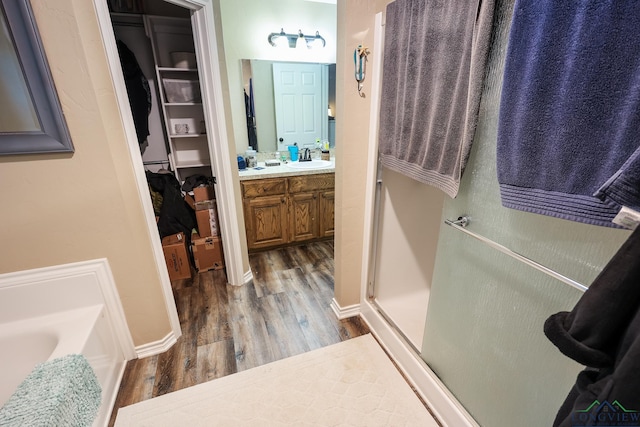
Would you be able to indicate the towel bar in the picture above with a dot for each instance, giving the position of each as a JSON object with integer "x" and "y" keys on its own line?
{"x": 463, "y": 221}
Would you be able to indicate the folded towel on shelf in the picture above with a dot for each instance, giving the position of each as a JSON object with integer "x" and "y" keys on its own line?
{"x": 434, "y": 63}
{"x": 602, "y": 332}
{"x": 58, "y": 392}
{"x": 569, "y": 110}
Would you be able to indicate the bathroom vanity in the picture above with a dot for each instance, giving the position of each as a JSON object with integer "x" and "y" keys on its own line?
{"x": 284, "y": 206}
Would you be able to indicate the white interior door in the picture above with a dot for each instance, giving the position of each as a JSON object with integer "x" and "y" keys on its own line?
{"x": 298, "y": 104}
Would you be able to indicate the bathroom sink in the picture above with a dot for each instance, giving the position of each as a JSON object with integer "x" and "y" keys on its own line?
{"x": 313, "y": 164}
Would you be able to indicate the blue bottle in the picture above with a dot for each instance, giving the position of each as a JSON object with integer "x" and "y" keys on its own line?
{"x": 242, "y": 165}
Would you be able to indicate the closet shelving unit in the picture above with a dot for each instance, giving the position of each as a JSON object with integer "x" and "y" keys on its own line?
{"x": 188, "y": 152}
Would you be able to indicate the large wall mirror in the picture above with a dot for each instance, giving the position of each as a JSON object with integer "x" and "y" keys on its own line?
{"x": 288, "y": 102}
{"x": 31, "y": 119}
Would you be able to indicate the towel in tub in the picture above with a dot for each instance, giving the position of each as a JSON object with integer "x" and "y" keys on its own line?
{"x": 570, "y": 109}
{"x": 435, "y": 54}
{"x": 58, "y": 392}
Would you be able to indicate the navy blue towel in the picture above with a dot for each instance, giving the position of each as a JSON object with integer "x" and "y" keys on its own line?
{"x": 570, "y": 109}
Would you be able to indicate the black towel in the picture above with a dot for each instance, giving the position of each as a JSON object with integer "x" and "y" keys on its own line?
{"x": 603, "y": 333}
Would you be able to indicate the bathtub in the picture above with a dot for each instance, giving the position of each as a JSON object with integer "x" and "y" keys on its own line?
{"x": 26, "y": 343}
{"x": 51, "y": 312}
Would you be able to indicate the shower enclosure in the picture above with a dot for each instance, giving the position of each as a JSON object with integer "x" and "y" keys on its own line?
{"x": 472, "y": 315}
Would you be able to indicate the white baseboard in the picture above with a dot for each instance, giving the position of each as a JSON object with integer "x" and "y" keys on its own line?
{"x": 344, "y": 312}
{"x": 440, "y": 400}
{"x": 156, "y": 347}
{"x": 248, "y": 276}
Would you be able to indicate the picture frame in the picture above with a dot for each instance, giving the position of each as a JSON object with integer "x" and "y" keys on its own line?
{"x": 37, "y": 124}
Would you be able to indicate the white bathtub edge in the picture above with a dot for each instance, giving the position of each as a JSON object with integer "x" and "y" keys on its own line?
{"x": 112, "y": 397}
{"x": 91, "y": 283}
{"x": 108, "y": 293}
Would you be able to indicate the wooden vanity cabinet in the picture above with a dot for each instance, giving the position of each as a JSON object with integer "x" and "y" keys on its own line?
{"x": 286, "y": 210}
{"x": 265, "y": 212}
{"x": 303, "y": 220}
{"x": 327, "y": 213}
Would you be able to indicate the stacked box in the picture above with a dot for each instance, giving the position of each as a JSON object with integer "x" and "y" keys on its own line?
{"x": 207, "y": 253}
{"x": 176, "y": 256}
{"x": 204, "y": 192}
{"x": 208, "y": 222}
{"x": 206, "y": 211}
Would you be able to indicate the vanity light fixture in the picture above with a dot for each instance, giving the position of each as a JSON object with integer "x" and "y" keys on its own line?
{"x": 283, "y": 39}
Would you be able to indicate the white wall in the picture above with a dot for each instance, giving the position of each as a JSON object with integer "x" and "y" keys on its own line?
{"x": 246, "y": 24}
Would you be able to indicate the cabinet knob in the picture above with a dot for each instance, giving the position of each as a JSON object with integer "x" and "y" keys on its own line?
{"x": 282, "y": 200}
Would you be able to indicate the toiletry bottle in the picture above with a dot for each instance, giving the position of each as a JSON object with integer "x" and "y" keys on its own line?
{"x": 242, "y": 165}
{"x": 325, "y": 155}
{"x": 251, "y": 158}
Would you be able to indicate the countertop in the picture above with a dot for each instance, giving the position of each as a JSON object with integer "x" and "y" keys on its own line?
{"x": 281, "y": 171}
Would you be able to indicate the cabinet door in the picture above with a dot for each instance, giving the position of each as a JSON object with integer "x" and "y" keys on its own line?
{"x": 303, "y": 219}
{"x": 327, "y": 213}
{"x": 265, "y": 219}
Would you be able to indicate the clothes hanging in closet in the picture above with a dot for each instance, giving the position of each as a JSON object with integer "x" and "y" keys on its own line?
{"x": 251, "y": 116}
{"x": 137, "y": 89}
{"x": 175, "y": 215}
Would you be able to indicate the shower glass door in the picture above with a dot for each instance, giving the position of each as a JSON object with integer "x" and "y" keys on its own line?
{"x": 484, "y": 327}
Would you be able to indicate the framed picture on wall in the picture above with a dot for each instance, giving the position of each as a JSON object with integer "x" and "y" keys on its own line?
{"x": 32, "y": 120}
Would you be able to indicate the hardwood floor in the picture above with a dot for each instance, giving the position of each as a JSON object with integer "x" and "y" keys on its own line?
{"x": 227, "y": 329}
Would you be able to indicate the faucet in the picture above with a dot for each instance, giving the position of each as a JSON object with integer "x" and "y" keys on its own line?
{"x": 306, "y": 155}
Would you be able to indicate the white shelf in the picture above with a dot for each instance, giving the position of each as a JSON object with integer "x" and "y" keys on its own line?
{"x": 179, "y": 70}
{"x": 189, "y": 152}
{"x": 182, "y": 104}
{"x": 187, "y": 135}
{"x": 185, "y": 165}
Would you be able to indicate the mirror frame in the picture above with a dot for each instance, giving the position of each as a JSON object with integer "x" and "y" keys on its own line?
{"x": 53, "y": 136}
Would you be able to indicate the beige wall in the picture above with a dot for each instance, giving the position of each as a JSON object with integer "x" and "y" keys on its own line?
{"x": 60, "y": 209}
{"x": 355, "y": 26}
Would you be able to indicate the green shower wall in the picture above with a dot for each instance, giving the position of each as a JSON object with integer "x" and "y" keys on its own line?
{"x": 484, "y": 328}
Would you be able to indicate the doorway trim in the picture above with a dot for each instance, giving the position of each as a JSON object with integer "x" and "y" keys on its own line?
{"x": 203, "y": 23}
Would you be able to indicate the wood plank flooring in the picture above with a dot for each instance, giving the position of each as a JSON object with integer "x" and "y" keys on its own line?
{"x": 228, "y": 329}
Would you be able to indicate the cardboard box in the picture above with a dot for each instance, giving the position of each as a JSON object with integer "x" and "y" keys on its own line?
{"x": 204, "y": 192}
{"x": 176, "y": 256}
{"x": 190, "y": 201}
{"x": 207, "y": 253}
{"x": 205, "y": 204}
{"x": 207, "y": 220}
